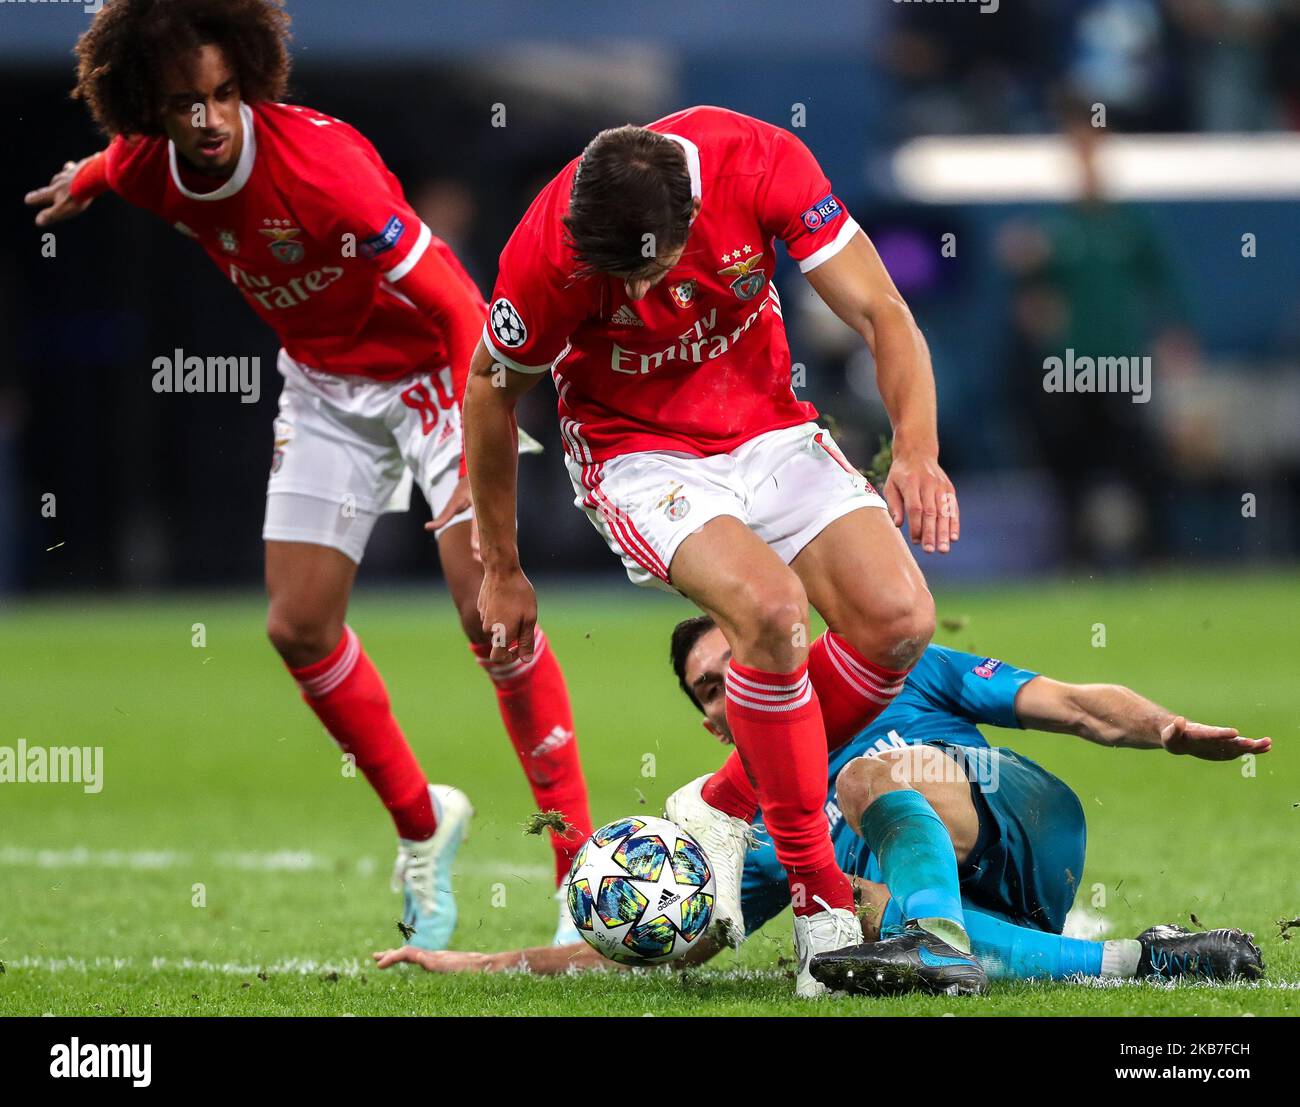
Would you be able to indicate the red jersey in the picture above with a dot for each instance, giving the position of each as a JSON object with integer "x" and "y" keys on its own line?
{"x": 315, "y": 232}
{"x": 701, "y": 364}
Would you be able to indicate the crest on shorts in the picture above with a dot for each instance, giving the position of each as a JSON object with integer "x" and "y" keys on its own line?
{"x": 284, "y": 244}
{"x": 748, "y": 279}
{"x": 675, "y": 506}
{"x": 283, "y": 432}
{"x": 683, "y": 292}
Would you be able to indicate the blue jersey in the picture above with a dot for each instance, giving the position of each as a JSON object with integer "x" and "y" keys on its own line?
{"x": 945, "y": 696}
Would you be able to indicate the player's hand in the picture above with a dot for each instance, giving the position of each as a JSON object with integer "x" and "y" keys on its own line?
{"x": 919, "y": 491}
{"x": 444, "y": 960}
{"x": 55, "y": 199}
{"x": 508, "y": 606}
{"x": 460, "y": 501}
{"x": 1211, "y": 743}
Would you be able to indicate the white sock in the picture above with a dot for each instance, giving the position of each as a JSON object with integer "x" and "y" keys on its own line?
{"x": 1119, "y": 958}
{"x": 947, "y": 931}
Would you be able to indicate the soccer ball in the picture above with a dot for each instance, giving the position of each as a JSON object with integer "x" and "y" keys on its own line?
{"x": 641, "y": 891}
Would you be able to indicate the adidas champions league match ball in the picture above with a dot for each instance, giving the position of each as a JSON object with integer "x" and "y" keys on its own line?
{"x": 641, "y": 891}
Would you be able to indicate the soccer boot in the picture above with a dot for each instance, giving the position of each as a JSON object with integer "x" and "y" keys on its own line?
{"x": 819, "y": 935}
{"x": 725, "y": 840}
{"x": 911, "y": 961}
{"x": 423, "y": 872}
{"x": 1170, "y": 951}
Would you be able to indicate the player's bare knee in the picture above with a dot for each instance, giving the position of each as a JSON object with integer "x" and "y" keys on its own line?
{"x": 892, "y": 631}
{"x": 775, "y": 621}
{"x": 301, "y": 641}
{"x": 860, "y": 783}
{"x": 908, "y": 632}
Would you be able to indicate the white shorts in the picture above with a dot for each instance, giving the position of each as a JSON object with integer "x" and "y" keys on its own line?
{"x": 348, "y": 449}
{"x": 787, "y": 486}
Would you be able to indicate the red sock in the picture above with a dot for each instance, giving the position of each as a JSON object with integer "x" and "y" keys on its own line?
{"x": 731, "y": 790}
{"x": 776, "y": 722}
{"x": 852, "y": 690}
{"x": 348, "y": 695}
{"x": 535, "y": 707}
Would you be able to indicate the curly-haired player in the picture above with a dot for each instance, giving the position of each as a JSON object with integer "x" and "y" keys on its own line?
{"x": 378, "y": 322}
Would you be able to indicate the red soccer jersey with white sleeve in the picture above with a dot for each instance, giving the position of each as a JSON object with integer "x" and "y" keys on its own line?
{"x": 315, "y": 233}
{"x": 701, "y": 364}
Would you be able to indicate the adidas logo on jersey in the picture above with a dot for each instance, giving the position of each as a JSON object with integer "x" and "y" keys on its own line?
{"x": 667, "y": 899}
{"x": 626, "y": 317}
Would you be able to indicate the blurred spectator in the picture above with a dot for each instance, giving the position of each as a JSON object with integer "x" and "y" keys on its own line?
{"x": 1157, "y": 65}
{"x": 1120, "y": 56}
{"x": 1093, "y": 277}
{"x": 1225, "y": 44}
{"x": 964, "y": 71}
{"x": 13, "y": 416}
{"x": 450, "y": 211}
{"x": 1284, "y": 49}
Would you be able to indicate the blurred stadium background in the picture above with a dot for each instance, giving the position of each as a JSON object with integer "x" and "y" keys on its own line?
{"x": 164, "y": 491}
{"x": 933, "y": 120}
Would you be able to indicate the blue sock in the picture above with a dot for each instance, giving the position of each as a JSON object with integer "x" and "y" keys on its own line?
{"x": 916, "y": 860}
{"x": 1010, "y": 952}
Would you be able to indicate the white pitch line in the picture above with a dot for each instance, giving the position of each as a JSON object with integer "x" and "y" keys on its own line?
{"x": 306, "y": 966}
{"x": 266, "y": 861}
{"x": 1110, "y": 982}
{"x": 291, "y": 966}
{"x": 79, "y": 857}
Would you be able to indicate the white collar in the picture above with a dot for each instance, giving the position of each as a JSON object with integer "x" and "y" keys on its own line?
{"x": 692, "y": 153}
{"x": 243, "y": 170}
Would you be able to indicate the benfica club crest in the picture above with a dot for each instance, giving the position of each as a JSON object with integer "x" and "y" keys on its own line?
{"x": 748, "y": 279}
{"x": 683, "y": 293}
{"x": 675, "y": 505}
{"x": 284, "y": 244}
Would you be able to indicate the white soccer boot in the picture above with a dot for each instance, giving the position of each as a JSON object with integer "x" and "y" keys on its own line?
{"x": 725, "y": 840}
{"x": 423, "y": 871}
{"x": 828, "y": 930}
{"x": 565, "y": 932}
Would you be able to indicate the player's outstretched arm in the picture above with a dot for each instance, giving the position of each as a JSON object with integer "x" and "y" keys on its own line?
{"x": 856, "y": 286}
{"x": 507, "y": 602}
{"x": 541, "y": 960}
{"x": 1112, "y": 715}
{"x": 56, "y": 199}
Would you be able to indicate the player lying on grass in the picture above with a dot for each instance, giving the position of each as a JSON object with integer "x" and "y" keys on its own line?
{"x": 954, "y": 848}
{"x": 641, "y": 279}
{"x": 377, "y": 320}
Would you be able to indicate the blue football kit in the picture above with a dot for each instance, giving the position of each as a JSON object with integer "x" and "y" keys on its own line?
{"x": 1020, "y": 878}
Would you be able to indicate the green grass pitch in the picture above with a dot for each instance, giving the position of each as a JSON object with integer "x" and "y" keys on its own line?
{"x": 216, "y": 775}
